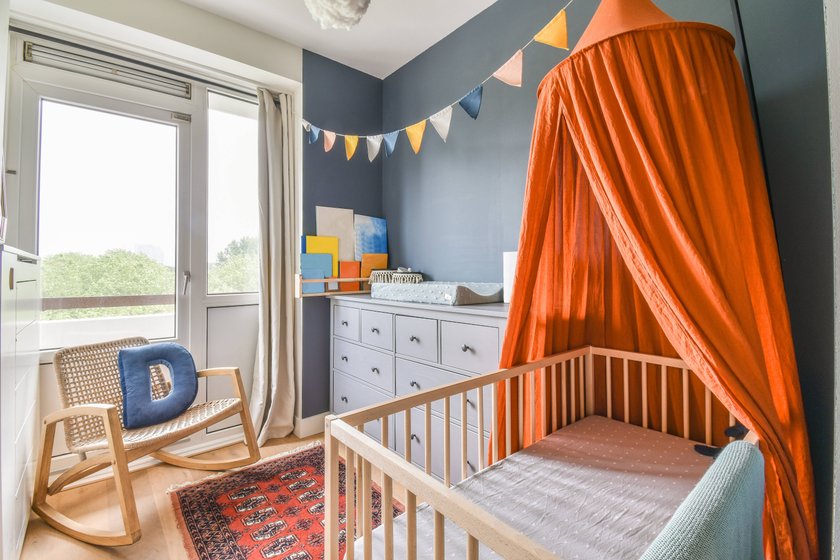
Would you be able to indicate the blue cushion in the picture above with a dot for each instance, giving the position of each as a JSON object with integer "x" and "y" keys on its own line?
{"x": 139, "y": 409}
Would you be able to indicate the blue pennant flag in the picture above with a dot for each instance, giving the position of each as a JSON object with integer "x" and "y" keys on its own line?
{"x": 471, "y": 103}
{"x": 390, "y": 142}
{"x": 314, "y": 133}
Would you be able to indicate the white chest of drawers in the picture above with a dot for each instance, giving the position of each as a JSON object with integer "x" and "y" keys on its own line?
{"x": 381, "y": 349}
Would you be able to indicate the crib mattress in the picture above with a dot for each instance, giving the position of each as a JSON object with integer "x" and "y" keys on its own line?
{"x": 598, "y": 488}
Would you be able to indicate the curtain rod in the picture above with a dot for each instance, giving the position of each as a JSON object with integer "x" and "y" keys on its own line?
{"x": 251, "y": 96}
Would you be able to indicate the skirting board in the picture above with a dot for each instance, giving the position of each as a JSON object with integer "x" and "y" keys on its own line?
{"x": 311, "y": 425}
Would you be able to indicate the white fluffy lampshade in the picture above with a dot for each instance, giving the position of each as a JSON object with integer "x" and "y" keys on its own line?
{"x": 337, "y": 14}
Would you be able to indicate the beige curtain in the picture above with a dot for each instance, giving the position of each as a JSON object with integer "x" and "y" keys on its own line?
{"x": 273, "y": 391}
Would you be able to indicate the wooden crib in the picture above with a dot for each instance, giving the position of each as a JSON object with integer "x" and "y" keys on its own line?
{"x": 616, "y": 384}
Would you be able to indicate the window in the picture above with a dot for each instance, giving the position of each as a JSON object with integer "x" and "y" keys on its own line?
{"x": 107, "y": 233}
{"x": 232, "y": 211}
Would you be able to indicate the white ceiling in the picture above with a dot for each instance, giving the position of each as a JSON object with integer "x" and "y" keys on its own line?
{"x": 392, "y": 32}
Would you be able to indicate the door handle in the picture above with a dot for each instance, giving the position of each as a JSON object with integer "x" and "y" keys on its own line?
{"x": 12, "y": 278}
{"x": 187, "y": 278}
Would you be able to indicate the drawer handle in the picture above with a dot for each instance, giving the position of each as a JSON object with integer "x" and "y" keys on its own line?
{"x": 413, "y": 338}
{"x": 374, "y": 330}
{"x": 344, "y": 399}
{"x": 465, "y": 348}
{"x": 415, "y": 438}
{"x": 375, "y": 370}
{"x": 471, "y": 466}
{"x": 345, "y": 324}
{"x": 344, "y": 358}
{"x": 469, "y": 402}
{"x": 414, "y": 384}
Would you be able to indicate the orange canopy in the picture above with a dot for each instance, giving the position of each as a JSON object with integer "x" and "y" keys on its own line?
{"x": 647, "y": 227}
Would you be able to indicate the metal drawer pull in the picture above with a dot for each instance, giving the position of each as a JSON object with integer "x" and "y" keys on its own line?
{"x": 465, "y": 348}
{"x": 375, "y": 370}
{"x": 344, "y": 323}
{"x": 344, "y": 358}
{"x": 470, "y": 465}
{"x": 343, "y": 399}
{"x": 374, "y": 330}
{"x": 469, "y": 402}
{"x": 415, "y": 438}
{"x": 414, "y": 384}
{"x": 413, "y": 338}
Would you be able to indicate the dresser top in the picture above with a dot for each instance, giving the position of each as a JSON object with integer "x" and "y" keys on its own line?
{"x": 485, "y": 309}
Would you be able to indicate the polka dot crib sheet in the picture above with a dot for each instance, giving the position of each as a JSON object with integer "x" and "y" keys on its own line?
{"x": 596, "y": 489}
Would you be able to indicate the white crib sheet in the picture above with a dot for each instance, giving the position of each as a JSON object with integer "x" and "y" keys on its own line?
{"x": 598, "y": 489}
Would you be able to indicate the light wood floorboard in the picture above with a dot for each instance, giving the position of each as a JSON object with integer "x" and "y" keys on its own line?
{"x": 97, "y": 504}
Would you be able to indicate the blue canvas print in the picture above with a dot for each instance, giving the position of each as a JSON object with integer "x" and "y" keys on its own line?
{"x": 371, "y": 235}
{"x": 312, "y": 266}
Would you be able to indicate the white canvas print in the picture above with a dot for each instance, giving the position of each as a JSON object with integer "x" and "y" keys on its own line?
{"x": 337, "y": 222}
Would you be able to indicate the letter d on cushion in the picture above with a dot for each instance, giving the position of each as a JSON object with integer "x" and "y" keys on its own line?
{"x": 139, "y": 409}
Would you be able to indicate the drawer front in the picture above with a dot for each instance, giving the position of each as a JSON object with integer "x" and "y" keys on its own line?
{"x": 469, "y": 347}
{"x": 346, "y": 322}
{"x": 27, "y": 301}
{"x": 378, "y": 329}
{"x": 418, "y": 445}
{"x": 377, "y": 368}
{"x": 413, "y": 377}
{"x": 417, "y": 338}
{"x": 349, "y": 394}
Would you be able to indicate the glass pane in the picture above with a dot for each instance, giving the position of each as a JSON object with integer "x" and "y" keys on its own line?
{"x": 107, "y": 225}
{"x": 232, "y": 221}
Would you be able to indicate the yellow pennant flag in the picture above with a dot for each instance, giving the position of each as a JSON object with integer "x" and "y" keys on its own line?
{"x": 555, "y": 33}
{"x": 350, "y": 143}
{"x": 415, "y": 135}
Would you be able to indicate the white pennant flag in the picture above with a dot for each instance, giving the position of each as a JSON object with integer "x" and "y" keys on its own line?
{"x": 441, "y": 121}
{"x": 306, "y": 125}
{"x": 373, "y": 145}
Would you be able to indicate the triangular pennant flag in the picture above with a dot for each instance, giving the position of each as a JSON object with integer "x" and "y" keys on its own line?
{"x": 306, "y": 124}
{"x": 314, "y": 133}
{"x": 390, "y": 142}
{"x": 350, "y": 143}
{"x": 373, "y": 145}
{"x": 329, "y": 140}
{"x": 555, "y": 33}
{"x": 441, "y": 120}
{"x": 471, "y": 103}
{"x": 415, "y": 135}
{"x": 511, "y": 71}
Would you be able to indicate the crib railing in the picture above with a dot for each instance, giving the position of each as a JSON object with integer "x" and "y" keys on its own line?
{"x": 578, "y": 383}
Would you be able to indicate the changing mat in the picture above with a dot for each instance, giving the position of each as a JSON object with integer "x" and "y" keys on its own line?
{"x": 443, "y": 293}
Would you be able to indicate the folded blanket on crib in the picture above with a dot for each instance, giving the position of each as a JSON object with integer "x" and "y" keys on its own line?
{"x": 721, "y": 517}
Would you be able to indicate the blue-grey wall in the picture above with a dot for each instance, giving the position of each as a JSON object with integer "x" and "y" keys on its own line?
{"x": 342, "y": 99}
{"x": 786, "y": 47}
{"x": 453, "y": 209}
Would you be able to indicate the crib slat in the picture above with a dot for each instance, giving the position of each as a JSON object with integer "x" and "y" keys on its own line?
{"x": 332, "y": 527}
{"x": 472, "y": 547}
{"x": 544, "y": 422}
{"x": 731, "y": 423}
{"x": 407, "y": 436}
{"x": 520, "y": 394}
{"x": 581, "y": 370}
{"x": 428, "y": 442}
{"x": 508, "y": 416}
{"x": 388, "y": 516}
{"x": 708, "y": 416}
{"x": 563, "y": 394}
{"x": 686, "y": 424}
{"x": 361, "y": 512}
{"x": 349, "y": 507}
{"x": 573, "y": 392}
{"x": 626, "y": 391}
{"x": 384, "y": 435}
{"x": 553, "y": 397}
{"x": 609, "y": 387}
{"x": 410, "y": 526}
{"x": 664, "y": 390}
{"x": 439, "y": 551}
{"x": 480, "y": 410}
{"x": 447, "y": 459}
{"x": 644, "y": 395}
{"x": 463, "y": 435}
{"x": 494, "y": 426}
{"x": 366, "y": 520}
{"x": 532, "y": 405}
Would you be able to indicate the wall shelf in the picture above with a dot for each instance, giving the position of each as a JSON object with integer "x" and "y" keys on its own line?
{"x": 300, "y": 281}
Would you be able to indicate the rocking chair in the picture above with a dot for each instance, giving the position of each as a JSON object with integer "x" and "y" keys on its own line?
{"x": 89, "y": 386}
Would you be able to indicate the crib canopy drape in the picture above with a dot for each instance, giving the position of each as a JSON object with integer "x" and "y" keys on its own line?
{"x": 647, "y": 227}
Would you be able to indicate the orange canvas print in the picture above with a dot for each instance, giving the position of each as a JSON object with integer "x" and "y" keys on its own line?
{"x": 349, "y": 269}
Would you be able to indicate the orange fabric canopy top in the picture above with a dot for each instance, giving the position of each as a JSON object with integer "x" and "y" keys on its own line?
{"x": 647, "y": 227}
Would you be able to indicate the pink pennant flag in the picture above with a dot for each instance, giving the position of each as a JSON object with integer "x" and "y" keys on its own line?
{"x": 329, "y": 140}
{"x": 511, "y": 71}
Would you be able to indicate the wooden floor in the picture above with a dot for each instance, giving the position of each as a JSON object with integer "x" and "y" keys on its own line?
{"x": 96, "y": 504}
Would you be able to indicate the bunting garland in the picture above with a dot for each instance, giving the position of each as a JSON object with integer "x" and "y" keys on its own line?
{"x": 554, "y": 34}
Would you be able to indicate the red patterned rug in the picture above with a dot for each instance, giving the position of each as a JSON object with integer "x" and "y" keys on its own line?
{"x": 274, "y": 509}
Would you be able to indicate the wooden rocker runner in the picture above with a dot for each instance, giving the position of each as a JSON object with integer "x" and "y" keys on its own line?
{"x": 89, "y": 384}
